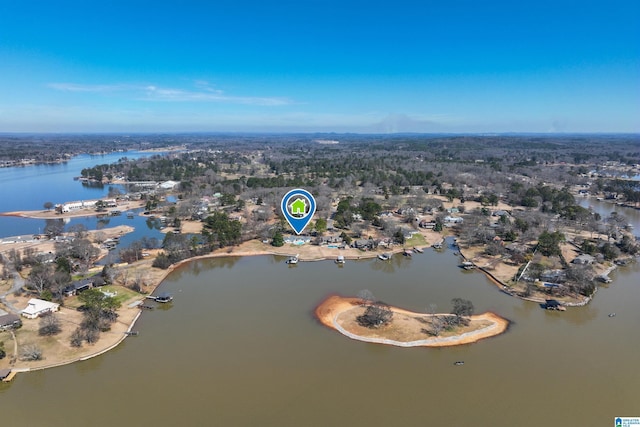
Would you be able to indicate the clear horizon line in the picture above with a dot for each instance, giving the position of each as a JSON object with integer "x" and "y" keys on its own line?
{"x": 187, "y": 132}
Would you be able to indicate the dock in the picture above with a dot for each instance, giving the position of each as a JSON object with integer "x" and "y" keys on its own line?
{"x": 552, "y": 304}
{"x": 6, "y": 375}
{"x": 163, "y": 297}
{"x": 468, "y": 265}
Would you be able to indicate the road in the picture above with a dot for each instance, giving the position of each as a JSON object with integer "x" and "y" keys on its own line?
{"x": 18, "y": 282}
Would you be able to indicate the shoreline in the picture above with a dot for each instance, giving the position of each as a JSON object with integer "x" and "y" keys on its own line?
{"x": 52, "y": 214}
{"x": 328, "y": 311}
{"x": 244, "y": 249}
{"x": 336, "y": 305}
{"x": 539, "y": 300}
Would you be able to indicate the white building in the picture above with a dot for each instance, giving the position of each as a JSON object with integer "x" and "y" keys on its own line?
{"x": 168, "y": 185}
{"x": 453, "y": 219}
{"x": 74, "y": 206}
{"x": 37, "y": 307}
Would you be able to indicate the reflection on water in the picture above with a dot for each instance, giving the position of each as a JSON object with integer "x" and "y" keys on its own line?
{"x": 102, "y": 222}
{"x": 164, "y": 306}
{"x": 392, "y": 264}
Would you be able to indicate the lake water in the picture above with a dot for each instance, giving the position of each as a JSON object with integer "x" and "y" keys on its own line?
{"x": 29, "y": 187}
{"x": 239, "y": 346}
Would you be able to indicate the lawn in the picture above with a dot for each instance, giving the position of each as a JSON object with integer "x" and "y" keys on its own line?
{"x": 416, "y": 240}
{"x": 122, "y": 295}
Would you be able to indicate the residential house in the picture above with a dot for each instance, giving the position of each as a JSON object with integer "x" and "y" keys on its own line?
{"x": 453, "y": 219}
{"x": 584, "y": 259}
{"x": 9, "y": 321}
{"x": 37, "y": 307}
{"x": 364, "y": 244}
{"x": 74, "y": 206}
{"x": 168, "y": 185}
{"x": 77, "y": 287}
{"x": 556, "y": 276}
{"x": 427, "y": 224}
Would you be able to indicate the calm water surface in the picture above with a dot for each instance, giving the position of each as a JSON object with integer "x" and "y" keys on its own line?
{"x": 29, "y": 187}
{"x": 239, "y": 347}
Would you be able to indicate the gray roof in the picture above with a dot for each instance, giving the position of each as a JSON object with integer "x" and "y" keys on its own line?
{"x": 8, "y": 319}
{"x": 584, "y": 259}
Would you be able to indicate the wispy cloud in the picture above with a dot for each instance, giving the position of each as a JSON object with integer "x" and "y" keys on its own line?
{"x": 203, "y": 92}
{"x": 74, "y": 87}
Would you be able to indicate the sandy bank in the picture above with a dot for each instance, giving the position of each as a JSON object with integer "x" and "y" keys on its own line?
{"x": 331, "y": 313}
{"x": 305, "y": 252}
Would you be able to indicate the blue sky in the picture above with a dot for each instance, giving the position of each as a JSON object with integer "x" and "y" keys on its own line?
{"x": 310, "y": 65}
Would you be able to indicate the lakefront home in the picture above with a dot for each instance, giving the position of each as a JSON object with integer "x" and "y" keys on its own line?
{"x": 37, "y": 307}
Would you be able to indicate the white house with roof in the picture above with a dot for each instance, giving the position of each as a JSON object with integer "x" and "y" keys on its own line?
{"x": 168, "y": 185}
{"x": 74, "y": 206}
{"x": 37, "y": 307}
{"x": 453, "y": 219}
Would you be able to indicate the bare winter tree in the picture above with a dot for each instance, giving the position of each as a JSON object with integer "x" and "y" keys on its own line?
{"x": 30, "y": 353}
{"x": 366, "y": 296}
{"x": 84, "y": 250}
{"x": 437, "y": 324}
{"x": 462, "y": 308}
{"x": 99, "y": 237}
{"x": 40, "y": 278}
{"x": 15, "y": 258}
{"x": 49, "y": 325}
{"x": 375, "y": 315}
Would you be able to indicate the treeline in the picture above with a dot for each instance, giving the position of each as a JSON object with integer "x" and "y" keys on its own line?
{"x": 45, "y": 148}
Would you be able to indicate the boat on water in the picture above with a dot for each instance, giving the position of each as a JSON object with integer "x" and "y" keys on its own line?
{"x": 459, "y": 363}
{"x": 612, "y": 315}
{"x": 130, "y": 215}
{"x": 164, "y": 297}
{"x": 407, "y": 252}
{"x": 293, "y": 260}
{"x": 552, "y": 304}
{"x": 340, "y": 260}
{"x": 418, "y": 250}
{"x": 468, "y": 265}
{"x": 604, "y": 278}
{"x": 437, "y": 245}
{"x": 384, "y": 257}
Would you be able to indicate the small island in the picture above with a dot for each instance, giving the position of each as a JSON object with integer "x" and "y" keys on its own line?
{"x": 365, "y": 319}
